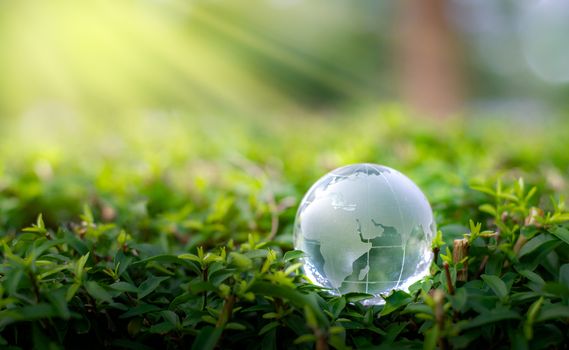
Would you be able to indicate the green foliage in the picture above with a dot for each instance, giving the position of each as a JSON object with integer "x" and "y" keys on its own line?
{"x": 195, "y": 250}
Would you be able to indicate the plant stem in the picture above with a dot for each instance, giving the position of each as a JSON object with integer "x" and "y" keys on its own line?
{"x": 436, "y": 252}
{"x": 482, "y": 266}
{"x": 520, "y": 242}
{"x": 321, "y": 343}
{"x": 35, "y": 286}
{"x": 226, "y": 312}
{"x": 205, "y": 277}
{"x": 438, "y": 298}
{"x": 449, "y": 280}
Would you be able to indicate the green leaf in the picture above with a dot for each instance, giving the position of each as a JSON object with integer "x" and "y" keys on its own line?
{"x": 431, "y": 337}
{"x": 530, "y": 318}
{"x": 87, "y": 215}
{"x": 197, "y": 287}
{"x": 562, "y": 233}
{"x": 394, "y": 301}
{"x": 293, "y": 254}
{"x": 559, "y": 218}
{"x": 38, "y": 311}
{"x": 98, "y": 292}
{"x": 416, "y": 308}
{"x": 497, "y": 285}
{"x": 149, "y": 285}
{"x": 168, "y": 259}
{"x": 311, "y": 320}
{"x": 489, "y": 209}
{"x": 180, "y": 299}
{"x": 192, "y": 257}
{"x": 538, "y": 243}
{"x": 532, "y": 276}
{"x": 80, "y": 267}
{"x": 292, "y": 268}
{"x": 162, "y": 328}
{"x": 256, "y": 253}
{"x": 552, "y": 312}
{"x": 207, "y": 338}
{"x": 27, "y": 313}
{"x": 38, "y": 227}
{"x": 270, "y": 315}
{"x": 217, "y": 277}
{"x": 13, "y": 280}
{"x": 268, "y": 327}
{"x": 297, "y": 298}
{"x": 305, "y": 338}
{"x": 556, "y": 288}
{"x": 269, "y": 341}
{"x": 489, "y": 317}
{"x": 459, "y": 299}
{"x": 518, "y": 340}
{"x": 71, "y": 291}
{"x": 57, "y": 299}
{"x": 564, "y": 275}
{"x": 240, "y": 260}
{"x": 78, "y": 245}
{"x": 355, "y": 297}
{"x": 171, "y": 317}
{"x": 337, "y": 305}
{"x": 124, "y": 287}
{"x": 52, "y": 271}
{"x": 484, "y": 189}
{"x": 140, "y": 310}
{"x": 235, "y": 326}
{"x": 134, "y": 326}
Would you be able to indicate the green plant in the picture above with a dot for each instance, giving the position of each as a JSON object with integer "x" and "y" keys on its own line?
{"x": 194, "y": 250}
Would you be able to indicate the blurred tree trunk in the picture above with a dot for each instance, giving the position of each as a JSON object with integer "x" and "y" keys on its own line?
{"x": 430, "y": 80}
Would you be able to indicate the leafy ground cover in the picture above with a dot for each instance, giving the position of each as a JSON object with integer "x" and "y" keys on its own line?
{"x": 176, "y": 232}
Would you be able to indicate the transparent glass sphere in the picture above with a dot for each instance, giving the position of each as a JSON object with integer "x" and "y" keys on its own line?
{"x": 365, "y": 228}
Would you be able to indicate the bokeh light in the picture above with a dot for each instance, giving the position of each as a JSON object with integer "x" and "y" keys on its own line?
{"x": 545, "y": 44}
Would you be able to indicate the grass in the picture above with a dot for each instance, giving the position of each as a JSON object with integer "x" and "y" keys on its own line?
{"x": 167, "y": 232}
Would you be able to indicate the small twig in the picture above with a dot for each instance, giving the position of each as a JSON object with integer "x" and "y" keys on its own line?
{"x": 482, "y": 266}
{"x": 259, "y": 172}
{"x": 276, "y": 211}
{"x": 321, "y": 343}
{"x": 438, "y": 298}
{"x": 520, "y": 242}
{"x": 226, "y": 312}
{"x": 35, "y": 286}
{"x": 449, "y": 280}
{"x": 436, "y": 251}
{"x": 205, "y": 277}
{"x": 274, "y": 214}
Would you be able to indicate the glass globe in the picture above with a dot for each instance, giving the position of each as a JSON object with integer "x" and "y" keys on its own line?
{"x": 365, "y": 228}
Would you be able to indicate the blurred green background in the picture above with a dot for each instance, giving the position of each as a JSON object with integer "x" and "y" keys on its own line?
{"x": 145, "y": 84}
{"x": 107, "y": 59}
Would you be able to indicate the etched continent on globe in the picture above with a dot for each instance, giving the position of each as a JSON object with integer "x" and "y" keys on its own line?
{"x": 365, "y": 228}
